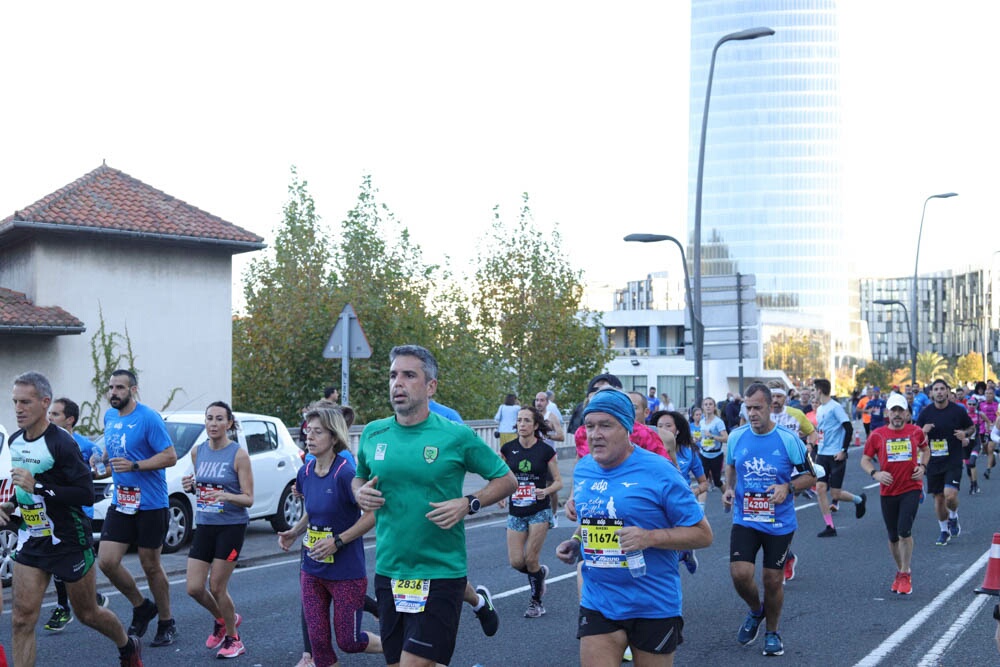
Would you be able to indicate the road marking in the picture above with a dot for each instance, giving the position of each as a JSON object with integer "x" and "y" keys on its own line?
{"x": 523, "y": 589}
{"x": 948, "y": 638}
{"x": 883, "y": 650}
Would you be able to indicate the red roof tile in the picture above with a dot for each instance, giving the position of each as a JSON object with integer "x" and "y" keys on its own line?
{"x": 18, "y": 313}
{"x": 107, "y": 199}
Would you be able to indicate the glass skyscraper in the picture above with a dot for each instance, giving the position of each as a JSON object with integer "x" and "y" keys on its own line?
{"x": 771, "y": 196}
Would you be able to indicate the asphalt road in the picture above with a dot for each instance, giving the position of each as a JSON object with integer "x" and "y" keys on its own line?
{"x": 838, "y": 609}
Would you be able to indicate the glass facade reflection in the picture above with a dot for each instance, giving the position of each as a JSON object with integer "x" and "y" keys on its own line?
{"x": 771, "y": 195}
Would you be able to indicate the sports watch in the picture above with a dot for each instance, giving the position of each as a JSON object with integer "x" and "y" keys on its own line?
{"x": 474, "y": 504}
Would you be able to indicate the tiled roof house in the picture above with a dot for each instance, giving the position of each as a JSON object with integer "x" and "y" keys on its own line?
{"x": 108, "y": 245}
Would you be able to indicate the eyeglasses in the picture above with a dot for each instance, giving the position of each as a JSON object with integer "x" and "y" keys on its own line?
{"x": 319, "y": 430}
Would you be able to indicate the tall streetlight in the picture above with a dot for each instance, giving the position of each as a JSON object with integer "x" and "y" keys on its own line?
{"x": 697, "y": 330}
{"x": 699, "y": 334}
{"x": 909, "y": 334}
{"x": 915, "y": 327}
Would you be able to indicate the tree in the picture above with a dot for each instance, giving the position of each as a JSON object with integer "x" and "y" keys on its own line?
{"x": 277, "y": 345}
{"x": 969, "y": 368}
{"x": 527, "y": 304}
{"x": 930, "y": 367}
{"x": 800, "y": 356}
{"x": 874, "y": 374}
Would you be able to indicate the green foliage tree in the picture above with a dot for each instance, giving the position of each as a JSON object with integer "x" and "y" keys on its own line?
{"x": 800, "y": 356}
{"x": 527, "y": 303}
{"x": 277, "y": 345}
{"x": 874, "y": 374}
{"x": 931, "y": 366}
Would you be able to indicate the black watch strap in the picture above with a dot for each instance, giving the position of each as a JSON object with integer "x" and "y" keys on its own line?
{"x": 474, "y": 504}
{"x": 337, "y": 542}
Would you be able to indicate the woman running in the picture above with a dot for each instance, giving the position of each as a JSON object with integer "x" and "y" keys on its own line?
{"x": 532, "y": 460}
{"x": 223, "y": 484}
{"x": 333, "y": 556}
{"x": 713, "y": 436}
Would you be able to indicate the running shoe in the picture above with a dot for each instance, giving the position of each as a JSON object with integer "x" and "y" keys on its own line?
{"x": 543, "y": 587}
{"x": 59, "y": 620}
{"x": 690, "y": 560}
{"x": 231, "y": 648}
{"x": 895, "y": 582}
{"x": 535, "y": 610}
{"x": 166, "y": 633}
{"x": 131, "y": 654}
{"x": 750, "y": 628}
{"x": 829, "y": 531}
{"x": 834, "y": 507}
{"x": 859, "y": 509}
{"x": 305, "y": 661}
{"x": 554, "y": 521}
{"x": 772, "y": 644}
{"x": 986, "y": 473}
{"x": 103, "y": 600}
{"x": 954, "y": 528}
{"x": 810, "y": 494}
{"x": 488, "y": 617}
{"x": 943, "y": 538}
{"x": 371, "y": 606}
{"x": 790, "y": 563}
{"x": 979, "y": 489}
{"x": 219, "y": 633}
{"x": 905, "y": 583}
{"x": 141, "y": 616}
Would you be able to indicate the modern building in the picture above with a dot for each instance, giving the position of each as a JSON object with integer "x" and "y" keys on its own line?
{"x": 771, "y": 202}
{"x": 953, "y": 310}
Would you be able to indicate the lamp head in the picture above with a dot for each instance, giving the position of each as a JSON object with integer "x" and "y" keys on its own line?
{"x": 944, "y": 195}
{"x": 749, "y": 33}
{"x": 648, "y": 238}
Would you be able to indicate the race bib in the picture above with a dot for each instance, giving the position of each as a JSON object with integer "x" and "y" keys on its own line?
{"x": 696, "y": 435}
{"x": 939, "y": 448}
{"x": 600, "y": 542}
{"x": 757, "y": 507}
{"x": 709, "y": 444}
{"x": 37, "y": 519}
{"x": 898, "y": 450}
{"x": 205, "y": 491}
{"x": 128, "y": 498}
{"x": 313, "y": 535}
{"x": 410, "y": 595}
{"x": 524, "y": 496}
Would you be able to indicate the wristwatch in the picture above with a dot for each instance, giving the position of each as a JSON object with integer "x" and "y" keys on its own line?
{"x": 337, "y": 542}
{"x": 135, "y": 466}
{"x": 474, "y": 504}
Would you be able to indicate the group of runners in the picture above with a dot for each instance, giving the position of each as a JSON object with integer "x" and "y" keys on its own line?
{"x": 637, "y": 497}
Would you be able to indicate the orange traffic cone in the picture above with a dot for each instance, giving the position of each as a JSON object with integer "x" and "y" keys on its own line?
{"x": 991, "y": 582}
{"x": 857, "y": 439}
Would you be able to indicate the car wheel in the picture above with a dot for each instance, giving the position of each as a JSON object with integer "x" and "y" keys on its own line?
{"x": 289, "y": 511}
{"x": 8, "y": 543}
{"x": 179, "y": 527}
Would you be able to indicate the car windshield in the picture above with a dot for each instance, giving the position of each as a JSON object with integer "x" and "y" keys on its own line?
{"x": 182, "y": 435}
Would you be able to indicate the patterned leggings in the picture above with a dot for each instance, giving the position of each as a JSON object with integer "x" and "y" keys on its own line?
{"x": 348, "y": 599}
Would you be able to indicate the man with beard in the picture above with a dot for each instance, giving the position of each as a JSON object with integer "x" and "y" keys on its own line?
{"x": 900, "y": 449}
{"x": 139, "y": 447}
{"x": 946, "y": 425}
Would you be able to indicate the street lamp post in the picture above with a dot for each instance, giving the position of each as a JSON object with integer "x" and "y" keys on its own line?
{"x": 699, "y": 340}
{"x": 915, "y": 327}
{"x": 696, "y": 326}
{"x": 909, "y": 334}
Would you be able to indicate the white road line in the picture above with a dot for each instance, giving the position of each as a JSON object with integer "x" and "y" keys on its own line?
{"x": 883, "y": 650}
{"x": 949, "y": 637}
{"x": 524, "y": 589}
{"x": 802, "y": 507}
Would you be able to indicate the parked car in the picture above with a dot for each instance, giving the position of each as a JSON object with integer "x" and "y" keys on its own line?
{"x": 274, "y": 458}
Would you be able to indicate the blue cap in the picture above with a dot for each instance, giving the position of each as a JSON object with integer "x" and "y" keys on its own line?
{"x": 615, "y": 403}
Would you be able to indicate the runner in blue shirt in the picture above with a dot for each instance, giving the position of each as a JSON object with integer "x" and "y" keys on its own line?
{"x": 139, "y": 449}
{"x": 633, "y": 506}
{"x": 761, "y": 461}
{"x": 832, "y": 421}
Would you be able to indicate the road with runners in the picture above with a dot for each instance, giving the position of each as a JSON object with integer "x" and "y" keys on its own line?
{"x": 838, "y": 609}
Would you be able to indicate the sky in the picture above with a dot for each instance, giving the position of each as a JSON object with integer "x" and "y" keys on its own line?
{"x": 455, "y": 107}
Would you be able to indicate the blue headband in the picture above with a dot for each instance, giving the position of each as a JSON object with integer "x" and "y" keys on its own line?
{"x": 615, "y": 403}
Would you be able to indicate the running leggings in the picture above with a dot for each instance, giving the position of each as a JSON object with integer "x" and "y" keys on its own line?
{"x": 348, "y": 598}
{"x": 713, "y": 468}
{"x": 898, "y": 512}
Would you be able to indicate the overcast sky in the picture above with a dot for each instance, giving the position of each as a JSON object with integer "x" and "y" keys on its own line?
{"x": 454, "y": 107}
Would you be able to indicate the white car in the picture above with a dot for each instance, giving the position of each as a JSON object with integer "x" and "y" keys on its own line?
{"x": 274, "y": 458}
